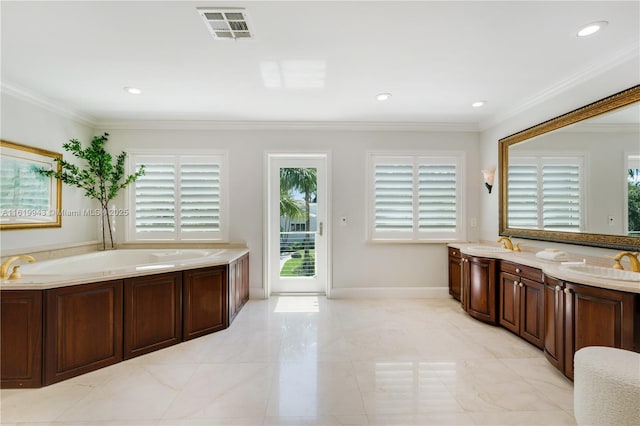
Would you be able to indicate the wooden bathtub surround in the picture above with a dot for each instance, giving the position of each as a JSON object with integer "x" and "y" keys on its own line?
{"x": 556, "y": 315}
{"x": 54, "y": 334}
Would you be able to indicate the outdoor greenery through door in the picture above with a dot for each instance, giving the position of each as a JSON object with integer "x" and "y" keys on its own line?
{"x": 298, "y": 221}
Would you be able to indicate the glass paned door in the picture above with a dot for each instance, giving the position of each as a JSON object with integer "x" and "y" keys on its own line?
{"x": 297, "y": 246}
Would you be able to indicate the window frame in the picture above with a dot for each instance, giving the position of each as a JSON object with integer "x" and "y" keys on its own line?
{"x": 219, "y": 157}
{"x": 416, "y": 158}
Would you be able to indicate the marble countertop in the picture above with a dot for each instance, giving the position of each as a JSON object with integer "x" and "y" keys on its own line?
{"x": 553, "y": 268}
{"x": 43, "y": 282}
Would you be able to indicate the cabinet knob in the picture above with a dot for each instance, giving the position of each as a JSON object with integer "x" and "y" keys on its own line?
{"x": 454, "y": 253}
{"x": 567, "y": 291}
{"x": 521, "y": 285}
{"x": 518, "y": 270}
{"x": 558, "y": 288}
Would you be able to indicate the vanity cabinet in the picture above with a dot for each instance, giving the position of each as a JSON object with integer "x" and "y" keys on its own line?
{"x": 83, "y": 329}
{"x": 455, "y": 273}
{"x": 578, "y": 315}
{"x": 554, "y": 322}
{"x": 521, "y": 296}
{"x": 21, "y": 338}
{"x": 479, "y": 296}
{"x": 597, "y": 317}
{"x": 152, "y": 313}
{"x": 238, "y": 272}
{"x": 205, "y": 301}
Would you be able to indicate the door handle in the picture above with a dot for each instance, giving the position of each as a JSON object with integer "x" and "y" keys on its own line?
{"x": 320, "y": 228}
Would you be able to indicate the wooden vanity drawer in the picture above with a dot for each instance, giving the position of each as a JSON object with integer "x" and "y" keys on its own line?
{"x": 521, "y": 270}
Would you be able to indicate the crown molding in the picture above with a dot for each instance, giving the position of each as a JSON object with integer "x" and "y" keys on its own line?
{"x": 32, "y": 98}
{"x": 285, "y": 125}
{"x": 618, "y": 57}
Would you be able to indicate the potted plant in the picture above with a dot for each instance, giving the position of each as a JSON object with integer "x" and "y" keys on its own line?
{"x": 100, "y": 179}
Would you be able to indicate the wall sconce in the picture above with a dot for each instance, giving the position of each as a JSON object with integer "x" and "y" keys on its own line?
{"x": 488, "y": 176}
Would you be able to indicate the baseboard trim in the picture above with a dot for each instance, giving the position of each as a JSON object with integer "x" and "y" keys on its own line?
{"x": 390, "y": 293}
{"x": 256, "y": 293}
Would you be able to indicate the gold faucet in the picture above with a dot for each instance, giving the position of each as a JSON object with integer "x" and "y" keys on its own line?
{"x": 633, "y": 259}
{"x": 4, "y": 268}
{"x": 508, "y": 244}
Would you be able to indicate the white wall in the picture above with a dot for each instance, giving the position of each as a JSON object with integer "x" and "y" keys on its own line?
{"x": 617, "y": 78}
{"x": 32, "y": 125}
{"x": 356, "y": 263}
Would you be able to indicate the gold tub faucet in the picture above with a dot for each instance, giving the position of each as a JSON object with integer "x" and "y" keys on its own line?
{"x": 4, "y": 268}
{"x": 633, "y": 259}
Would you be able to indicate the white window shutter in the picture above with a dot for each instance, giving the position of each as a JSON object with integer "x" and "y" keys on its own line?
{"x": 393, "y": 198}
{"x": 437, "y": 192}
{"x": 523, "y": 196}
{"x": 155, "y": 199}
{"x": 199, "y": 198}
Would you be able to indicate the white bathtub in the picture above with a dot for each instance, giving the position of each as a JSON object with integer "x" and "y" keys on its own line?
{"x": 119, "y": 260}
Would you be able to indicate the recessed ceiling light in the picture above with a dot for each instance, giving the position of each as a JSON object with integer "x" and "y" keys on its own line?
{"x": 478, "y": 104}
{"x": 591, "y": 28}
{"x": 133, "y": 90}
{"x": 383, "y": 96}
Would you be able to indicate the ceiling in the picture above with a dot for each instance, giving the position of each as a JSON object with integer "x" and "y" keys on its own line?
{"x": 308, "y": 61}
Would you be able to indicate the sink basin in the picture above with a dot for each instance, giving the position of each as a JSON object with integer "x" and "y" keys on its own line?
{"x": 487, "y": 249}
{"x": 601, "y": 272}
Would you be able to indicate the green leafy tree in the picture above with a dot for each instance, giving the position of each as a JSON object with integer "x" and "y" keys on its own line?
{"x": 303, "y": 180}
{"x": 101, "y": 179}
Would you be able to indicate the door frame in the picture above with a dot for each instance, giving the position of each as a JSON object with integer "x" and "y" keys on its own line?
{"x": 275, "y": 155}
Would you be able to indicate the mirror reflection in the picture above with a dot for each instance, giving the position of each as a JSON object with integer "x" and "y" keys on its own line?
{"x": 581, "y": 178}
{"x": 576, "y": 178}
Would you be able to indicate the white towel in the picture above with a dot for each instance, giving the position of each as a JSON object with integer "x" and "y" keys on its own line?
{"x": 552, "y": 254}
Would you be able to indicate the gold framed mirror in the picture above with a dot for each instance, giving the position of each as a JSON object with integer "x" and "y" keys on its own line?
{"x": 28, "y": 199}
{"x": 576, "y": 178}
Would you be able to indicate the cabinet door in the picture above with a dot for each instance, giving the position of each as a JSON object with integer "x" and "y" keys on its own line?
{"x": 554, "y": 322}
{"x": 205, "y": 301}
{"x": 532, "y": 311}
{"x": 21, "y": 338}
{"x": 482, "y": 295}
{"x": 455, "y": 273}
{"x": 83, "y": 329}
{"x": 596, "y": 317}
{"x": 152, "y": 312}
{"x": 245, "y": 278}
{"x": 509, "y": 296}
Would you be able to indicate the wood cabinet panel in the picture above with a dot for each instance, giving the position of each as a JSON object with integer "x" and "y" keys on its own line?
{"x": 532, "y": 311}
{"x": 21, "y": 338}
{"x": 596, "y": 317}
{"x": 554, "y": 322}
{"x": 479, "y": 280}
{"x": 455, "y": 273}
{"x": 238, "y": 276}
{"x": 83, "y": 329}
{"x": 152, "y": 313}
{"x": 509, "y": 296}
{"x": 205, "y": 301}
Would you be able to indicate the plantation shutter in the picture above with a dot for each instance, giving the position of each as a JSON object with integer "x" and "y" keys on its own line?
{"x": 415, "y": 198}
{"x": 437, "y": 195}
{"x": 200, "y": 197}
{"x": 393, "y": 198}
{"x": 523, "y": 196}
{"x": 21, "y": 187}
{"x": 180, "y": 197}
{"x": 561, "y": 197}
{"x": 155, "y": 198}
{"x": 545, "y": 193}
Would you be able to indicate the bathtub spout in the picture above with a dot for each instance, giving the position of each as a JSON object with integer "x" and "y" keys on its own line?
{"x": 4, "y": 268}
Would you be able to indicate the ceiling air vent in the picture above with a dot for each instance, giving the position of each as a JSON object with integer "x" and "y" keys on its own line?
{"x": 226, "y": 24}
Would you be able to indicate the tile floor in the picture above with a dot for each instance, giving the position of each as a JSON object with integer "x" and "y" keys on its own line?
{"x": 311, "y": 361}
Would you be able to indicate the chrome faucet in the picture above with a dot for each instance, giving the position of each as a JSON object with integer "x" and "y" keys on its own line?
{"x": 508, "y": 244}
{"x": 633, "y": 259}
{"x": 4, "y": 268}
